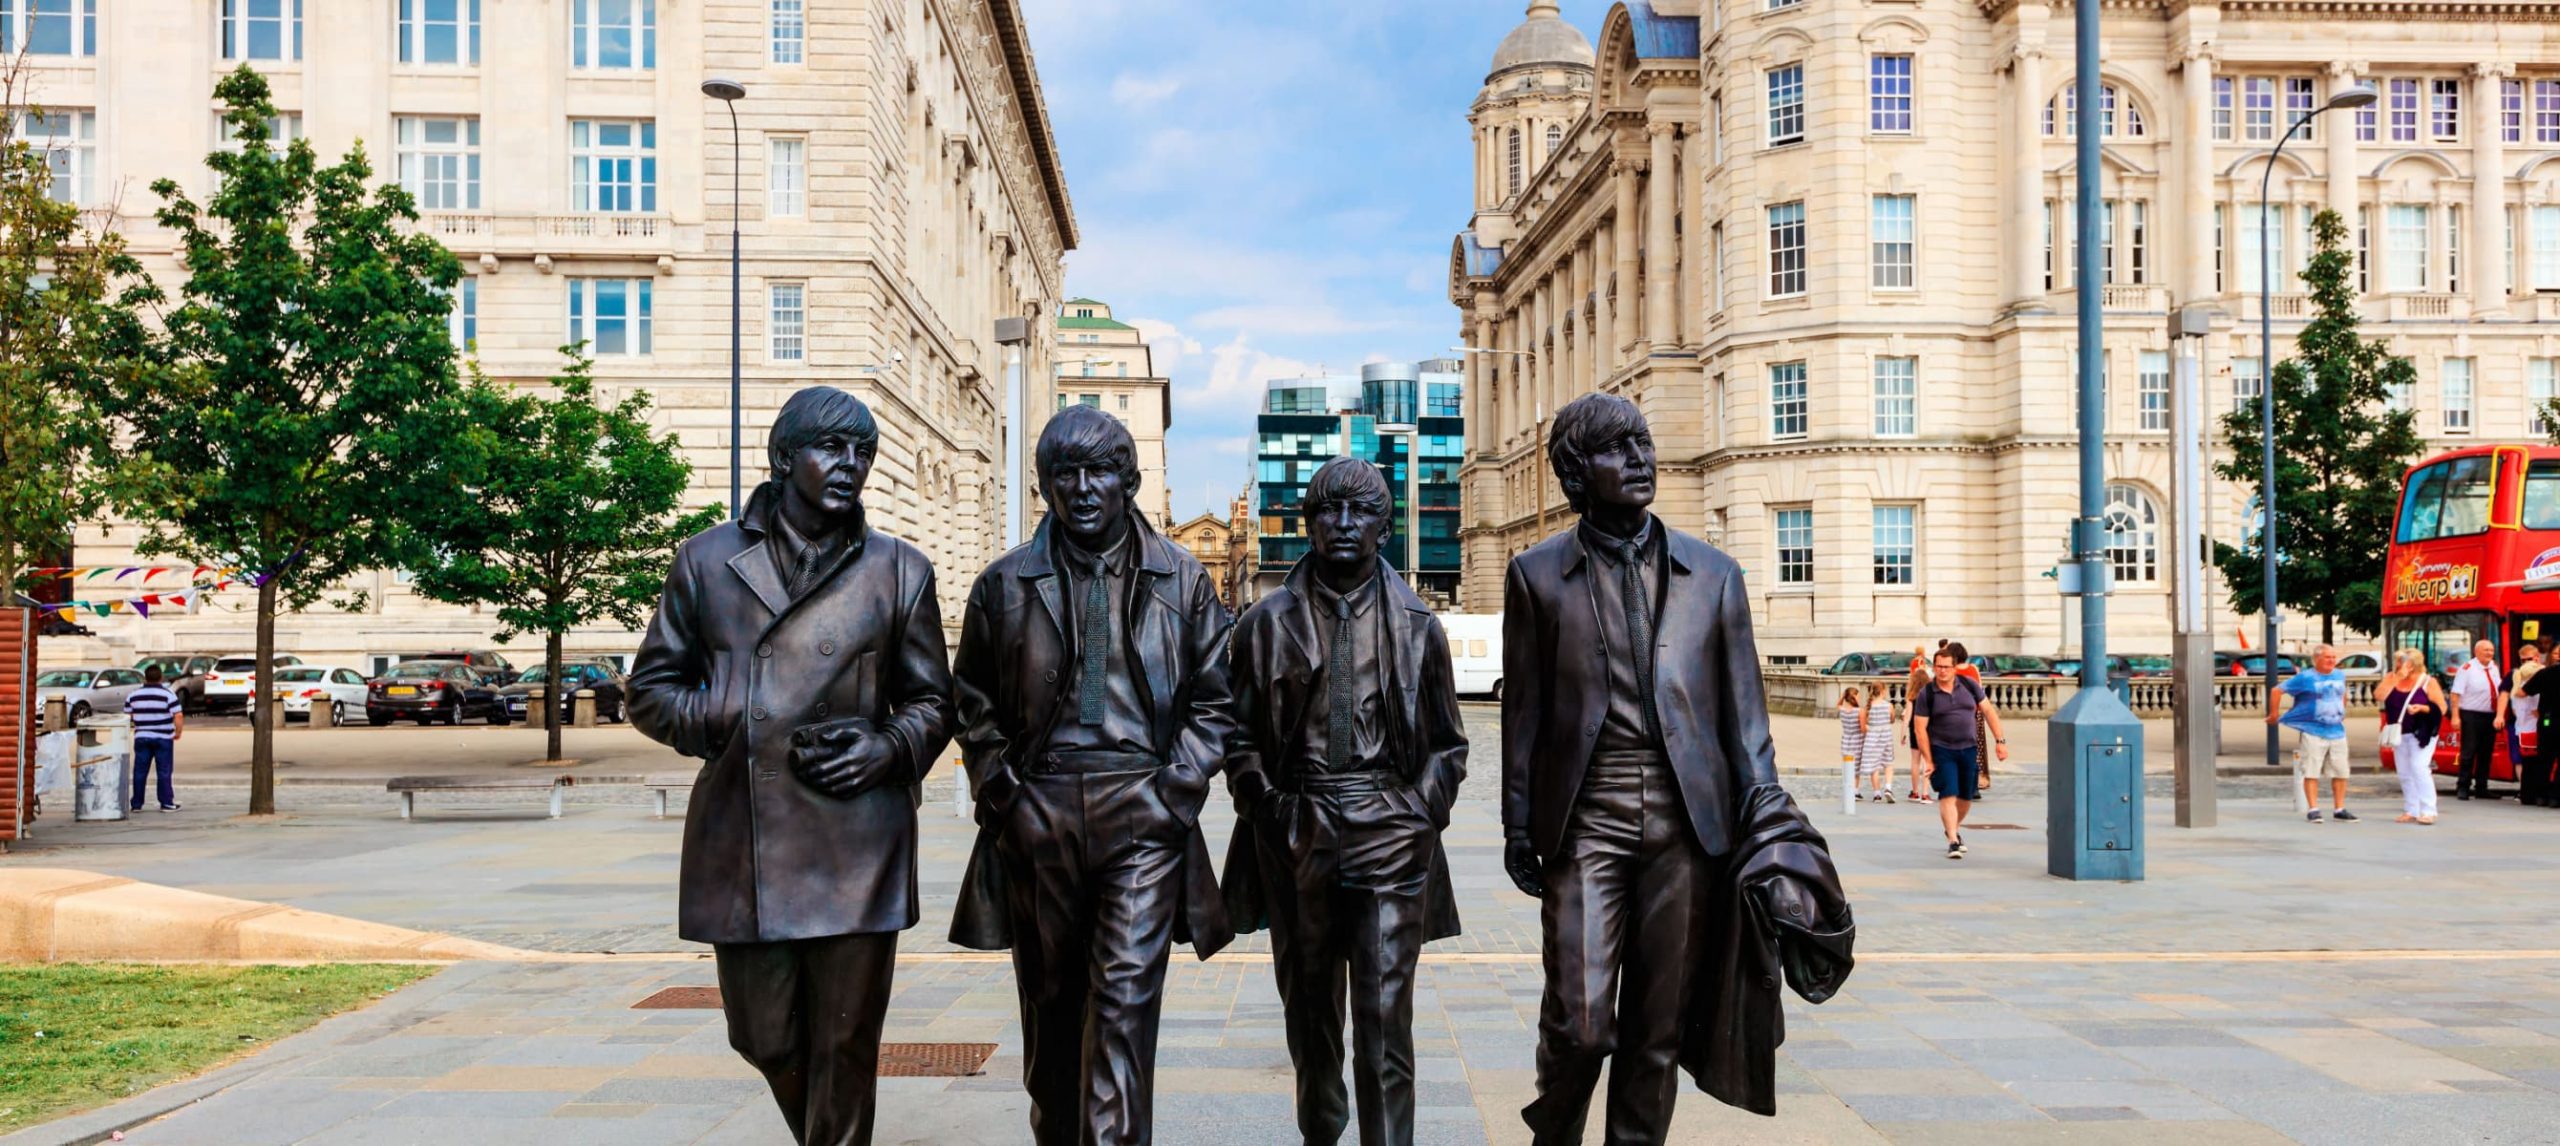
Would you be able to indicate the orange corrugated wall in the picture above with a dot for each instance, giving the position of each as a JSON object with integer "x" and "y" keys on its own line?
{"x": 17, "y": 715}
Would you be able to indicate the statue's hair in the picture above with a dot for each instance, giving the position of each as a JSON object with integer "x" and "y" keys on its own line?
{"x": 1351, "y": 480}
{"x": 1586, "y": 426}
{"x": 1081, "y": 435}
{"x": 814, "y": 413}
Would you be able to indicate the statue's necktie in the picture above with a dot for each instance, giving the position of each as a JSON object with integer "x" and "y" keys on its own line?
{"x": 1639, "y": 625}
{"x": 1339, "y": 698}
{"x": 1094, "y": 625}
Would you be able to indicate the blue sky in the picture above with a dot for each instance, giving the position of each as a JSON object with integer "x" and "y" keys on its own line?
{"x": 1266, "y": 189}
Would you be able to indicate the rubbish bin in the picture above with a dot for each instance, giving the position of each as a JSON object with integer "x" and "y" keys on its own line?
{"x": 102, "y": 761}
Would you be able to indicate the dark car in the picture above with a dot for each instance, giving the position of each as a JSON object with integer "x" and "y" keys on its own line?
{"x": 2014, "y": 665}
{"x": 486, "y": 662}
{"x": 185, "y": 674}
{"x": 430, "y": 691}
{"x": 2249, "y": 664}
{"x": 1870, "y": 664}
{"x": 574, "y": 675}
{"x": 2134, "y": 666}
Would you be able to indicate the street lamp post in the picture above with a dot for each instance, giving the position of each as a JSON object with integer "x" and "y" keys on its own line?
{"x": 2358, "y": 95}
{"x": 730, "y": 92}
{"x": 1540, "y": 419}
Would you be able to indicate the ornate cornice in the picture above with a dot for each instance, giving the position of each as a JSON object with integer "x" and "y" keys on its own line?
{"x": 987, "y": 38}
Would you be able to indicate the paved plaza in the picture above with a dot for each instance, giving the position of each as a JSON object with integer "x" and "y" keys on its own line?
{"x": 2271, "y": 981}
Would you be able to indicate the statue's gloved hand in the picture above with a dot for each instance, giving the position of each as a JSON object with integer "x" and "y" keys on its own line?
{"x": 844, "y": 758}
{"x": 1520, "y": 859}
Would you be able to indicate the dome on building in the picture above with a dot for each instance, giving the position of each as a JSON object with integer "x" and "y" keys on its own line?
{"x": 1542, "y": 39}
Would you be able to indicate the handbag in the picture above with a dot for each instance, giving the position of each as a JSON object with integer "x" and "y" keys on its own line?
{"x": 2391, "y": 736}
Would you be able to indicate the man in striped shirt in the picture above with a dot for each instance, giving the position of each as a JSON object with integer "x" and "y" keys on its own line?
{"x": 158, "y": 721}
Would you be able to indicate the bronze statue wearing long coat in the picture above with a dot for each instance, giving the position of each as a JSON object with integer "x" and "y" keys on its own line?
{"x": 1329, "y": 939}
{"x": 1050, "y": 879}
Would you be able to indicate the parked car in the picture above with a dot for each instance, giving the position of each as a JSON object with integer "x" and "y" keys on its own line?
{"x": 87, "y": 690}
{"x": 2014, "y": 665}
{"x": 1889, "y": 663}
{"x": 184, "y": 674}
{"x": 336, "y": 690}
{"x": 2363, "y": 663}
{"x": 2126, "y": 666}
{"x": 2249, "y": 664}
{"x": 574, "y": 675}
{"x": 486, "y": 662}
{"x": 429, "y": 691}
{"x": 235, "y": 678}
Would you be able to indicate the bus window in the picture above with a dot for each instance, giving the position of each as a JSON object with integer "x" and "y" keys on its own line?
{"x": 2418, "y": 510}
{"x": 2466, "y": 498}
{"x": 2542, "y": 495}
{"x": 2444, "y": 638}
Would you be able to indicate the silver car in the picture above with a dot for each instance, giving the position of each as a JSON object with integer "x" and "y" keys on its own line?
{"x": 87, "y": 690}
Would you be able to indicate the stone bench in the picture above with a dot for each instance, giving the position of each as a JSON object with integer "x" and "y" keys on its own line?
{"x": 660, "y": 784}
{"x": 408, "y": 787}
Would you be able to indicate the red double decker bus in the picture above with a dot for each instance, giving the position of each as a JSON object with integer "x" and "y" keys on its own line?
{"x": 2475, "y": 556}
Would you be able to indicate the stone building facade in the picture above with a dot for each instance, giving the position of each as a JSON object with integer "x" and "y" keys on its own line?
{"x": 1210, "y": 539}
{"x": 899, "y": 191}
{"x": 1815, "y": 240}
{"x": 1105, "y": 363}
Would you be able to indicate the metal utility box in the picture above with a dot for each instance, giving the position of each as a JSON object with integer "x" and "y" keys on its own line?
{"x": 2093, "y": 796}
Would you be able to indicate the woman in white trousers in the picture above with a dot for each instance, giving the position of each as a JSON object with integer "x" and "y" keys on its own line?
{"x": 2413, "y": 704}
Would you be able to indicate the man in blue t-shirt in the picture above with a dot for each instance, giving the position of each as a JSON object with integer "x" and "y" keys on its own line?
{"x": 2318, "y": 710}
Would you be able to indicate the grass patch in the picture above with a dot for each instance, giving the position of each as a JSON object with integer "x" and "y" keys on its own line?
{"x": 74, "y": 1036}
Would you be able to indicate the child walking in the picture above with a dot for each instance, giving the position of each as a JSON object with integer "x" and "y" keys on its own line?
{"x": 1875, "y": 752}
{"x": 1853, "y": 732}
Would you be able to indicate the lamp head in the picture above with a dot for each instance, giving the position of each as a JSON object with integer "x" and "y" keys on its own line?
{"x": 724, "y": 90}
{"x": 2358, "y": 95}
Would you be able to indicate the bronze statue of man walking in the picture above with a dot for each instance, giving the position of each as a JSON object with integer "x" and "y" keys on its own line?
{"x": 1348, "y": 753}
{"x": 1094, "y": 713}
{"x": 798, "y": 653}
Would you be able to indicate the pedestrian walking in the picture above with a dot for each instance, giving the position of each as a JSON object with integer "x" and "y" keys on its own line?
{"x": 1951, "y": 713}
{"x": 1967, "y": 669}
{"x": 1911, "y": 687}
{"x": 2542, "y": 693}
{"x": 1875, "y": 752}
{"x": 2316, "y": 710}
{"x": 2412, "y": 715}
{"x": 2476, "y": 690}
{"x": 2524, "y": 707}
{"x": 1852, "y": 710}
{"x": 158, "y": 720}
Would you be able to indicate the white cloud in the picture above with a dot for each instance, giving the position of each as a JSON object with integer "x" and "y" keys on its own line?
{"x": 1137, "y": 92}
{"x": 1237, "y": 372}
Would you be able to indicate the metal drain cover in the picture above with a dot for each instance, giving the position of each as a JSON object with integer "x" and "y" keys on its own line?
{"x": 681, "y": 999}
{"x": 934, "y": 1060}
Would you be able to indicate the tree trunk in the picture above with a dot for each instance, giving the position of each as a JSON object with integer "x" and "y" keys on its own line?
{"x": 553, "y": 696}
{"x": 262, "y": 733}
{"x": 2328, "y": 628}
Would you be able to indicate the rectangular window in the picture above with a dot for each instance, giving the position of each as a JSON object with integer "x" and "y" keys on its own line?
{"x": 1788, "y": 413}
{"x": 2454, "y": 387}
{"x": 1715, "y": 263}
{"x": 2541, "y": 385}
{"x": 1897, "y": 400}
{"x": 610, "y": 315}
{"x": 615, "y": 34}
{"x": 2401, "y": 395}
{"x": 2403, "y": 105}
{"x": 2298, "y": 105}
{"x": 2049, "y": 268}
{"x": 2222, "y": 107}
{"x": 2139, "y": 242}
{"x": 2107, "y": 242}
{"x": 613, "y": 165}
{"x": 2444, "y": 109}
{"x": 262, "y": 29}
{"x": 787, "y": 177}
{"x": 2248, "y": 383}
{"x": 1795, "y": 546}
{"x": 1897, "y": 537}
{"x": 439, "y": 161}
{"x": 2511, "y": 111}
{"x": 787, "y": 310}
{"x": 2255, "y": 261}
{"x": 2151, "y": 389}
{"x": 2364, "y": 250}
{"x": 2453, "y": 247}
{"x": 68, "y": 140}
{"x": 2546, "y": 111}
{"x": 1786, "y": 104}
{"x": 282, "y": 129}
{"x": 464, "y": 326}
{"x": 1893, "y": 242}
{"x": 1889, "y": 95}
{"x": 2258, "y": 109}
{"x": 1786, "y": 250}
{"x": 2366, "y": 120}
{"x": 790, "y": 32}
{"x": 2404, "y": 255}
{"x": 49, "y": 27}
{"x": 2543, "y": 233}
{"x": 440, "y": 31}
{"x": 2218, "y": 247}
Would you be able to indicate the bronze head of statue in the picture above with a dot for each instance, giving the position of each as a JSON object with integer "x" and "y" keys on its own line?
{"x": 1088, "y": 467}
{"x": 1602, "y": 453}
{"x": 1347, "y": 510}
{"x": 821, "y": 449}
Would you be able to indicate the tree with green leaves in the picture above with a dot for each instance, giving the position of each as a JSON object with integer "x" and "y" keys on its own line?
{"x": 72, "y": 338}
{"x": 569, "y": 510}
{"x": 2341, "y": 448}
{"x": 313, "y": 337}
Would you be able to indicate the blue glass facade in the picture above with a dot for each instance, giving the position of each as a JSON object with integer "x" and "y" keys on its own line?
{"x": 1403, "y": 420}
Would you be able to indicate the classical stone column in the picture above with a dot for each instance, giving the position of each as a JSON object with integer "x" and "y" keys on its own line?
{"x": 2195, "y": 182}
{"x": 1630, "y": 305}
{"x": 1488, "y": 427}
{"x": 1577, "y": 377}
{"x": 2026, "y": 171}
{"x": 2488, "y": 239}
{"x": 1661, "y": 254}
{"x": 1604, "y": 322}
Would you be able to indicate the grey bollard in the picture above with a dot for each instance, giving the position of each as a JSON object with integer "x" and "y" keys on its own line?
{"x": 534, "y": 703}
{"x": 57, "y": 713}
{"x": 582, "y": 708}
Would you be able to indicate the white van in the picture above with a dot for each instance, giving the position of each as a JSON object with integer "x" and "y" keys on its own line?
{"x": 1475, "y": 652}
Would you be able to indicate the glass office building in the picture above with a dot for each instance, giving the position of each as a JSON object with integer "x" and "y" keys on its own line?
{"x": 1402, "y": 417}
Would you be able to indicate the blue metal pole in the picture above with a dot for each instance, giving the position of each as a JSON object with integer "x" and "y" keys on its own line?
{"x": 2267, "y": 428}
{"x": 2089, "y": 546}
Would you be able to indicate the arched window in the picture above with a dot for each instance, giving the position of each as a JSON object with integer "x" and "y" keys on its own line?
{"x": 1555, "y": 139}
{"x": 2116, "y": 112}
{"x": 2133, "y": 535}
{"x": 1515, "y": 163}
